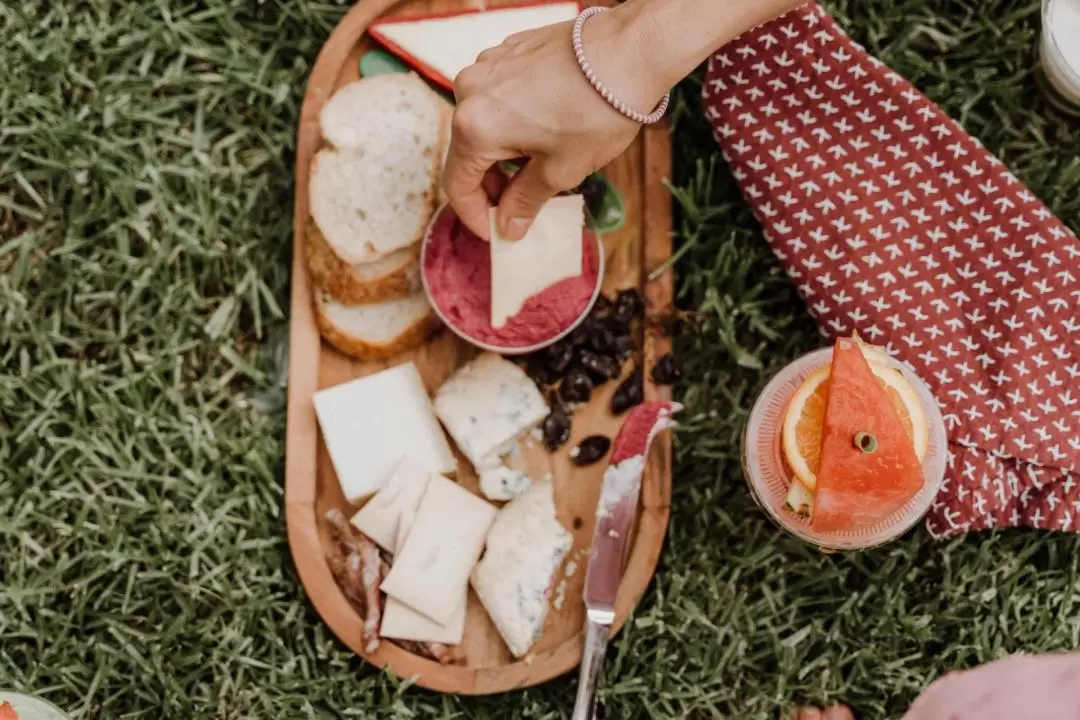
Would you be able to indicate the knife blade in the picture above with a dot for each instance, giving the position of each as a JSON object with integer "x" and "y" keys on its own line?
{"x": 616, "y": 511}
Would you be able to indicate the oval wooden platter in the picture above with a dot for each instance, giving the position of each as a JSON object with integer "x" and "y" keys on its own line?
{"x": 641, "y": 244}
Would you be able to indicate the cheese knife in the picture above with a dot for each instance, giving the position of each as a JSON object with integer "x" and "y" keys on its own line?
{"x": 615, "y": 513}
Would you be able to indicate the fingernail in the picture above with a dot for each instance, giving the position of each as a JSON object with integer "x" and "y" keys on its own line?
{"x": 516, "y": 228}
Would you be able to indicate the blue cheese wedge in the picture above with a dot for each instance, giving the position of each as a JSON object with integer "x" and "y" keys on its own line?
{"x": 431, "y": 572}
{"x": 486, "y": 405}
{"x": 401, "y": 622}
{"x": 380, "y": 518}
{"x": 525, "y": 547}
{"x": 507, "y": 477}
{"x": 371, "y": 423}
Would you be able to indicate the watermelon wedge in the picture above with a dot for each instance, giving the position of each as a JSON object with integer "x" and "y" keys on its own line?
{"x": 869, "y": 468}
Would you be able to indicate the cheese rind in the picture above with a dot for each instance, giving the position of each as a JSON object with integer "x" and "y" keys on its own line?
{"x": 370, "y": 423}
{"x": 431, "y": 572}
{"x": 550, "y": 252}
{"x": 401, "y": 622}
{"x": 486, "y": 405}
{"x": 525, "y": 547}
{"x": 380, "y": 517}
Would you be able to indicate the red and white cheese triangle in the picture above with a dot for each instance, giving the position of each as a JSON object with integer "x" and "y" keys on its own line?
{"x": 441, "y": 45}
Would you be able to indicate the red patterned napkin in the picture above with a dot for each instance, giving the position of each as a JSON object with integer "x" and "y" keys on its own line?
{"x": 895, "y": 223}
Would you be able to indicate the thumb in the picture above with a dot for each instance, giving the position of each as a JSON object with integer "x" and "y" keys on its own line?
{"x": 527, "y": 192}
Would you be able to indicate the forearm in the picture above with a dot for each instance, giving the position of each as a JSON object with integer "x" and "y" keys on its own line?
{"x": 666, "y": 39}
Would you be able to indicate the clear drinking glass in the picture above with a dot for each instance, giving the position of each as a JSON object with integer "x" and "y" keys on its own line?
{"x": 1059, "y": 54}
{"x": 768, "y": 477}
{"x": 32, "y": 708}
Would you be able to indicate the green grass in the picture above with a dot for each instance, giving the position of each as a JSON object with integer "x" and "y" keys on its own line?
{"x": 145, "y": 198}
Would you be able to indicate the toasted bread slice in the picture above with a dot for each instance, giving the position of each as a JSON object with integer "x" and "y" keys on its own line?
{"x": 377, "y": 330}
{"x": 392, "y": 276}
{"x": 372, "y": 189}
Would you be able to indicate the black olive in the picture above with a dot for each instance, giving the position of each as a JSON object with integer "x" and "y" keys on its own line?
{"x": 666, "y": 371}
{"x": 628, "y": 305}
{"x": 590, "y": 450}
{"x": 601, "y": 338}
{"x": 556, "y": 428}
{"x": 593, "y": 190}
{"x": 539, "y": 370}
{"x": 623, "y": 347}
{"x": 579, "y": 335}
{"x": 602, "y": 306}
{"x": 559, "y": 356}
{"x": 576, "y": 387}
{"x": 600, "y": 367}
{"x": 629, "y": 393}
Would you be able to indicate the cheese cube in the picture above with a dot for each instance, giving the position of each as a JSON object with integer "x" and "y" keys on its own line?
{"x": 505, "y": 478}
{"x": 371, "y": 423}
{"x": 380, "y": 517}
{"x": 549, "y": 253}
{"x": 525, "y": 547}
{"x": 401, "y": 622}
{"x": 431, "y": 572}
{"x": 486, "y": 405}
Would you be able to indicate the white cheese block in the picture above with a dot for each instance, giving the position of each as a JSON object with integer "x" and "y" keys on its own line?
{"x": 381, "y": 517}
{"x": 525, "y": 547}
{"x": 431, "y": 572}
{"x": 371, "y": 423}
{"x": 448, "y": 45}
{"x": 486, "y": 404}
{"x": 401, "y": 622}
{"x": 549, "y": 253}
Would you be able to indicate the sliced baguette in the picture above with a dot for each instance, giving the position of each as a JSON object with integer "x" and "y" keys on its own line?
{"x": 372, "y": 190}
{"x": 378, "y": 330}
{"x": 392, "y": 276}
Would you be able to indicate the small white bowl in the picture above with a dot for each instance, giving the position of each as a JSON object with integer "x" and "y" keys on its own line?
{"x": 502, "y": 349}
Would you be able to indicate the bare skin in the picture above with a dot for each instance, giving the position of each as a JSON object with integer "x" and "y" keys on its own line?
{"x": 527, "y": 98}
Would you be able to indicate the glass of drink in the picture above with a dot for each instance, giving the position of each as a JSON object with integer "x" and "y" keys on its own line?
{"x": 770, "y": 476}
{"x": 1059, "y": 53}
{"x": 27, "y": 707}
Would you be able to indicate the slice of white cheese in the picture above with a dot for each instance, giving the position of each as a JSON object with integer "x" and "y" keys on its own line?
{"x": 401, "y": 622}
{"x": 380, "y": 518}
{"x": 371, "y": 423}
{"x": 447, "y": 45}
{"x": 486, "y": 404}
{"x": 525, "y": 547}
{"x": 549, "y": 253}
{"x": 431, "y": 572}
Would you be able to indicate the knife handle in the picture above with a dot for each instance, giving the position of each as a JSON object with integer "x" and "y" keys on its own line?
{"x": 592, "y": 663}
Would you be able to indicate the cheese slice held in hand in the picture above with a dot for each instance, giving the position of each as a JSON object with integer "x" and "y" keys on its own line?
{"x": 549, "y": 253}
{"x": 401, "y": 622}
{"x": 431, "y": 572}
{"x": 381, "y": 517}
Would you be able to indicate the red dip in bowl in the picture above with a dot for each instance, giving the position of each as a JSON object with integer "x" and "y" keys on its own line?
{"x": 457, "y": 275}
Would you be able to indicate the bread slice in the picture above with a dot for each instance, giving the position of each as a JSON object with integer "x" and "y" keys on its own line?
{"x": 392, "y": 276}
{"x": 377, "y": 330}
{"x": 372, "y": 190}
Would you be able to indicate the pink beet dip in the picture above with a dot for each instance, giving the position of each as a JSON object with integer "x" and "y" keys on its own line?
{"x": 457, "y": 274}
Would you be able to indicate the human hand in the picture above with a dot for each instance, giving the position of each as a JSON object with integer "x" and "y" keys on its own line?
{"x": 1032, "y": 687}
{"x": 527, "y": 98}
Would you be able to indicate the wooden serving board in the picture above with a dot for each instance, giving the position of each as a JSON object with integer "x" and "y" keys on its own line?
{"x": 311, "y": 488}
